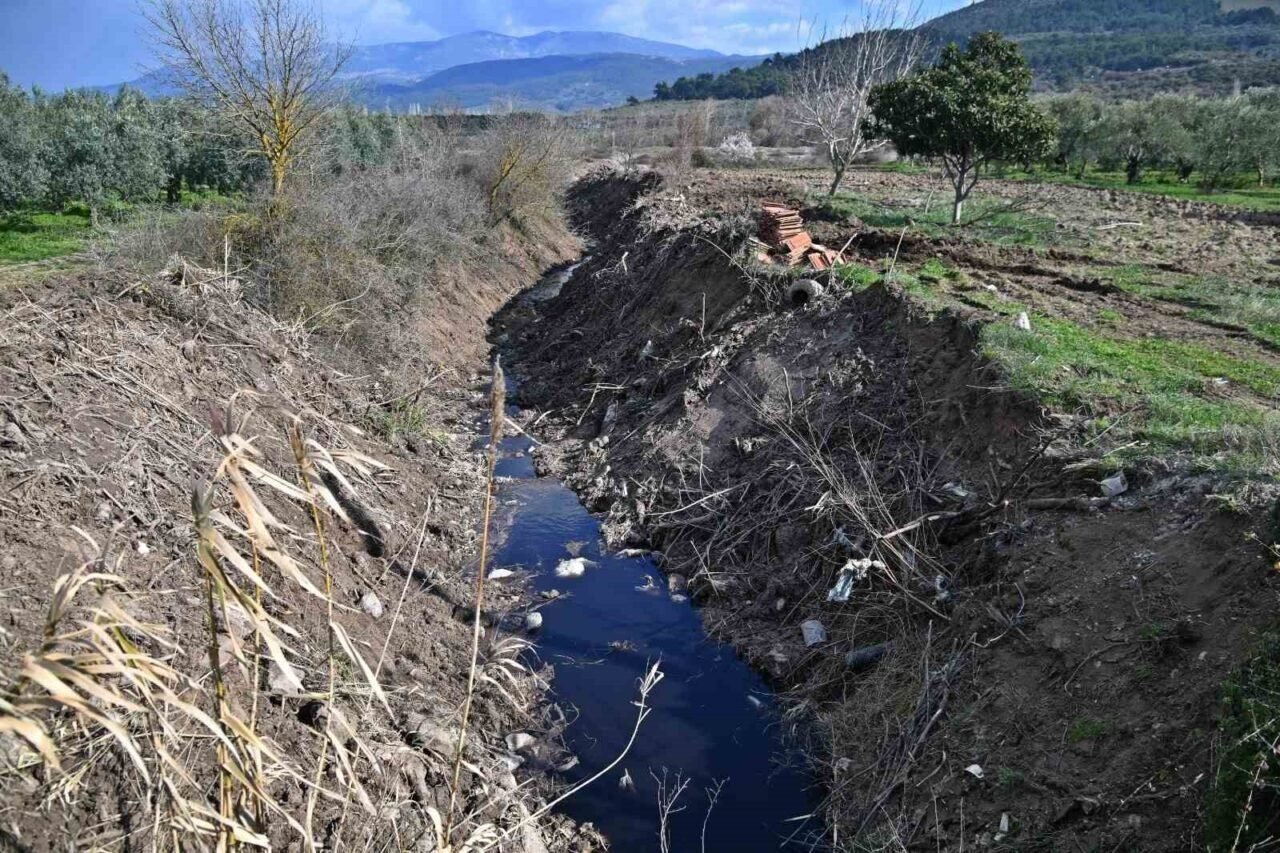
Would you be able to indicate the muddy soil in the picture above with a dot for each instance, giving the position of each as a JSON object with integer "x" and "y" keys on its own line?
{"x": 1017, "y": 664}
{"x": 112, "y": 397}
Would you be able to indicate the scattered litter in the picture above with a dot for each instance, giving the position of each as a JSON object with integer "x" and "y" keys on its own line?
{"x": 842, "y": 539}
{"x": 574, "y": 547}
{"x": 501, "y": 574}
{"x": 533, "y": 621}
{"x": 867, "y": 656}
{"x": 756, "y": 702}
{"x": 568, "y": 764}
{"x": 975, "y": 770}
{"x": 677, "y": 584}
{"x": 371, "y": 604}
{"x": 649, "y": 585}
{"x": 575, "y": 567}
{"x": 678, "y": 598}
{"x": 646, "y": 351}
{"x": 510, "y": 762}
{"x": 942, "y": 590}
{"x": 629, "y": 553}
{"x": 550, "y": 594}
{"x": 520, "y": 741}
{"x": 803, "y": 291}
{"x": 780, "y": 605}
{"x": 854, "y": 571}
{"x": 1022, "y": 321}
{"x": 1115, "y": 486}
{"x": 1003, "y": 832}
{"x": 813, "y": 631}
{"x": 626, "y": 783}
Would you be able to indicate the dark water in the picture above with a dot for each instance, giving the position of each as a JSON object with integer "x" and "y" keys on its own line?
{"x": 713, "y": 718}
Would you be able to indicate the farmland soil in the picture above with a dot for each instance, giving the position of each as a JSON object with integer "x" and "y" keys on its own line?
{"x": 1007, "y": 658}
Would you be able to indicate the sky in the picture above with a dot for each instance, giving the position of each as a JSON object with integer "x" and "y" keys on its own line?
{"x": 60, "y": 43}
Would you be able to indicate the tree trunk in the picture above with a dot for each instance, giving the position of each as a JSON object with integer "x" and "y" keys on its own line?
{"x": 1132, "y": 169}
{"x": 835, "y": 182}
{"x": 957, "y": 208}
{"x": 1262, "y": 174}
{"x": 277, "y": 175}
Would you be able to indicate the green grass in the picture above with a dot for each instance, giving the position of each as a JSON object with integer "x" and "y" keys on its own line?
{"x": 1248, "y": 772}
{"x": 1241, "y": 192}
{"x": 987, "y": 219}
{"x": 1250, "y": 306}
{"x": 1172, "y": 394}
{"x": 26, "y": 237}
{"x": 1086, "y": 729}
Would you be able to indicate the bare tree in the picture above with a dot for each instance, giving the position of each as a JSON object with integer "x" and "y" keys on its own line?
{"x": 268, "y": 64}
{"x": 829, "y": 89}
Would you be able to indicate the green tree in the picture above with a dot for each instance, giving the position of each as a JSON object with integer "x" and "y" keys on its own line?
{"x": 1178, "y": 121}
{"x": 76, "y": 127}
{"x": 971, "y": 108}
{"x": 22, "y": 174}
{"x": 1079, "y": 120}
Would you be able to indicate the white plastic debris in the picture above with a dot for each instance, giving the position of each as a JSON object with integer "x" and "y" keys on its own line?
{"x": 568, "y": 764}
{"x": 1115, "y": 485}
{"x": 510, "y": 762}
{"x": 143, "y": 548}
{"x": 626, "y": 783}
{"x": 520, "y": 741}
{"x": 756, "y": 702}
{"x": 813, "y": 631}
{"x": 854, "y": 571}
{"x": 1004, "y": 827}
{"x": 646, "y": 351}
{"x": 975, "y": 770}
{"x": 501, "y": 574}
{"x": 575, "y": 567}
{"x": 1022, "y": 321}
{"x": 533, "y": 621}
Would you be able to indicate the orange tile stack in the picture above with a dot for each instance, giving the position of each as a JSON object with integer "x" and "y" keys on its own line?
{"x": 782, "y": 230}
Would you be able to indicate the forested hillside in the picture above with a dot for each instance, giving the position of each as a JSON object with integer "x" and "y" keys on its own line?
{"x": 1125, "y": 46}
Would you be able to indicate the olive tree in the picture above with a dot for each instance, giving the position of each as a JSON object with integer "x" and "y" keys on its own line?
{"x": 971, "y": 108}
{"x": 267, "y": 64}
{"x": 828, "y": 93}
{"x": 23, "y": 175}
{"x": 1079, "y": 120}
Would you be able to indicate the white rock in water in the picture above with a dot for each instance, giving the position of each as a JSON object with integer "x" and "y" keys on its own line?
{"x": 371, "y": 604}
{"x": 520, "y": 741}
{"x": 572, "y": 568}
{"x": 1022, "y": 321}
{"x": 813, "y": 631}
{"x": 533, "y": 621}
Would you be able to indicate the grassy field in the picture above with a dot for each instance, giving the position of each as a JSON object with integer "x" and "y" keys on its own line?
{"x": 988, "y": 219}
{"x": 26, "y": 237}
{"x": 1241, "y": 191}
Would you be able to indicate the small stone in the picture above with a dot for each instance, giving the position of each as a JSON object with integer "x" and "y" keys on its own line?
{"x": 188, "y": 350}
{"x": 1022, "y": 321}
{"x": 9, "y": 563}
{"x": 283, "y": 682}
{"x": 103, "y": 512}
{"x": 533, "y": 621}
{"x": 371, "y": 604}
{"x": 510, "y": 762}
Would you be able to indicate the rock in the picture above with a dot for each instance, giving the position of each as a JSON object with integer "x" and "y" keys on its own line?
{"x": 520, "y": 741}
{"x": 188, "y": 350}
{"x": 103, "y": 513}
{"x": 813, "y": 631}
{"x": 867, "y": 656}
{"x": 282, "y": 682}
{"x": 510, "y": 762}
{"x": 1022, "y": 321}
{"x": 533, "y": 621}
{"x": 371, "y": 604}
{"x": 9, "y": 563}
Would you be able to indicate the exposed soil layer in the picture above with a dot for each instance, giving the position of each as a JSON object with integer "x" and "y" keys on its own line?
{"x": 1019, "y": 663}
{"x": 112, "y": 398}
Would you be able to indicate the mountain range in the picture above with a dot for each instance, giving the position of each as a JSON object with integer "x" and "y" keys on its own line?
{"x": 557, "y": 71}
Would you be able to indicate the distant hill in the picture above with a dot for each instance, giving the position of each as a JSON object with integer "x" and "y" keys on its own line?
{"x": 560, "y": 71}
{"x": 558, "y": 83}
{"x": 407, "y": 62}
{"x": 1120, "y": 46}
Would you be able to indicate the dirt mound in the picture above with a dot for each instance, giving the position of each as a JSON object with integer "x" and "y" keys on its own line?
{"x": 1005, "y": 658}
{"x": 121, "y": 401}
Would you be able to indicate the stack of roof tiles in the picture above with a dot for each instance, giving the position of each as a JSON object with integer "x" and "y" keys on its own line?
{"x": 782, "y": 229}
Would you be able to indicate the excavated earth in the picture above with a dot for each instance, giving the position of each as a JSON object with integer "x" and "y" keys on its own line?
{"x": 1018, "y": 665}
{"x": 112, "y": 397}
